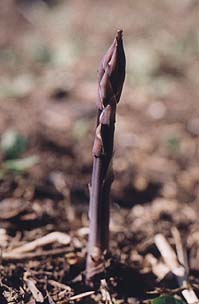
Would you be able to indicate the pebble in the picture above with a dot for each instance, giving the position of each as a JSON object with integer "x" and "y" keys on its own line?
{"x": 156, "y": 110}
{"x": 193, "y": 126}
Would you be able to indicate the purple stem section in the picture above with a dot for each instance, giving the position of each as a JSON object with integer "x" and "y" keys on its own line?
{"x": 111, "y": 77}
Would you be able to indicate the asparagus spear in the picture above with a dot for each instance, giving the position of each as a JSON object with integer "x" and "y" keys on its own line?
{"x": 111, "y": 75}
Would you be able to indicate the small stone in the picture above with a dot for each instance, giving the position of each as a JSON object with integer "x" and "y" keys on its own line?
{"x": 169, "y": 190}
{"x": 157, "y": 110}
{"x": 193, "y": 126}
{"x": 141, "y": 183}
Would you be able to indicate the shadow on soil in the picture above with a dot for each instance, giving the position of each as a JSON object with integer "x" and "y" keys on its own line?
{"x": 131, "y": 196}
{"x": 131, "y": 283}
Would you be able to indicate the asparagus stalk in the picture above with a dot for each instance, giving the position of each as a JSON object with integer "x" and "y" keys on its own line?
{"x": 111, "y": 75}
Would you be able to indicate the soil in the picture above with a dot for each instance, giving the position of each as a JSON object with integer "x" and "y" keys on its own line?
{"x": 49, "y": 53}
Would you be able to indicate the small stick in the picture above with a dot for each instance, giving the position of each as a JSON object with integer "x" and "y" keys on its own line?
{"x": 159, "y": 269}
{"x": 50, "y": 300}
{"x": 106, "y": 297}
{"x": 59, "y": 285}
{"x": 176, "y": 268}
{"x": 37, "y": 295}
{"x": 169, "y": 255}
{"x": 111, "y": 75}
{"x": 81, "y": 295}
{"x": 188, "y": 294}
{"x": 52, "y": 237}
{"x": 12, "y": 256}
{"x": 181, "y": 253}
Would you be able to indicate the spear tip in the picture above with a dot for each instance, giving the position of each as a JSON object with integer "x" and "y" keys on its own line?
{"x": 119, "y": 33}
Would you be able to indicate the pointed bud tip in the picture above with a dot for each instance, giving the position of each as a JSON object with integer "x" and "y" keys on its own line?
{"x": 119, "y": 34}
{"x": 111, "y": 73}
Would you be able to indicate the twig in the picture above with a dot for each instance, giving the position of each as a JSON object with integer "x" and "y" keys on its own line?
{"x": 111, "y": 74}
{"x": 12, "y": 256}
{"x": 181, "y": 252}
{"x": 176, "y": 268}
{"x": 188, "y": 294}
{"x": 158, "y": 268}
{"x": 169, "y": 256}
{"x": 59, "y": 285}
{"x": 52, "y": 237}
{"x": 81, "y": 295}
{"x": 106, "y": 297}
{"x": 37, "y": 295}
{"x": 50, "y": 300}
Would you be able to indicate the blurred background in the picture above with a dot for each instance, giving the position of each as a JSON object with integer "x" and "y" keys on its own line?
{"x": 49, "y": 54}
{"x": 50, "y": 51}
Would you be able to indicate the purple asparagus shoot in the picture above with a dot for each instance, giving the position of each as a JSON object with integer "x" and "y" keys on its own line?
{"x": 111, "y": 75}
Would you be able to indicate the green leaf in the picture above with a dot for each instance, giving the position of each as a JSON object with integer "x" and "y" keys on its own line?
{"x": 20, "y": 165}
{"x": 42, "y": 54}
{"x": 173, "y": 145}
{"x": 13, "y": 144}
{"x": 167, "y": 300}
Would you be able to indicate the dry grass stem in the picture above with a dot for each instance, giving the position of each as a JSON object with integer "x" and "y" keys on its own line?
{"x": 172, "y": 262}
